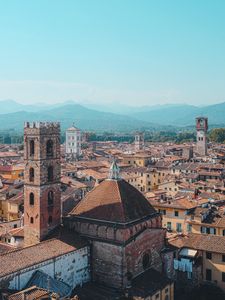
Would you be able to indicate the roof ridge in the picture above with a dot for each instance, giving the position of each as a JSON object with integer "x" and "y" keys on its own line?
{"x": 120, "y": 198}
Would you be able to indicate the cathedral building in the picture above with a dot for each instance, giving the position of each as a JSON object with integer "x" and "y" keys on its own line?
{"x": 125, "y": 233}
{"x": 112, "y": 239}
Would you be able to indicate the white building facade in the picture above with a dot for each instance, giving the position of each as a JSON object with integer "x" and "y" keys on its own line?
{"x": 73, "y": 142}
{"x": 139, "y": 141}
{"x": 72, "y": 268}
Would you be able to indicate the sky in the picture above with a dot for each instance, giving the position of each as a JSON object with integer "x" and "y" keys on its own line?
{"x": 135, "y": 52}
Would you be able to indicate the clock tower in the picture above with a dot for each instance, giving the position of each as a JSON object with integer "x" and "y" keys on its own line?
{"x": 201, "y": 128}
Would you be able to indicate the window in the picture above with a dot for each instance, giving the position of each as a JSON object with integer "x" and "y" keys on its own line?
{"x": 189, "y": 227}
{"x": 179, "y": 227}
{"x": 49, "y": 148}
{"x": 31, "y": 198}
{"x": 31, "y": 147}
{"x": 224, "y": 232}
{"x": 223, "y": 258}
{"x": 213, "y": 230}
{"x": 50, "y": 198}
{"x": 207, "y": 230}
{"x": 15, "y": 226}
{"x": 223, "y": 276}
{"x": 157, "y": 296}
{"x": 208, "y": 255}
{"x": 49, "y": 220}
{"x": 169, "y": 225}
{"x": 50, "y": 173}
{"x": 31, "y": 174}
{"x": 208, "y": 275}
{"x": 31, "y": 220}
{"x": 176, "y": 213}
{"x": 146, "y": 261}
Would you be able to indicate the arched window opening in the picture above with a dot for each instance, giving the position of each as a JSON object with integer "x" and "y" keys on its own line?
{"x": 31, "y": 220}
{"x": 146, "y": 261}
{"x": 31, "y": 198}
{"x": 50, "y": 173}
{"x": 49, "y": 220}
{"x": 49, "y": 148}
{"x": 31, "y": 174}
{"x": 31, "y": 147}
{"x": 50, "y": 198}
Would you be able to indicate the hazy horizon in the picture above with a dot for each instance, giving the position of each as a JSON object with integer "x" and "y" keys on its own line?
{"x": 109, "y": 104}
{"x": 102, "y": 52}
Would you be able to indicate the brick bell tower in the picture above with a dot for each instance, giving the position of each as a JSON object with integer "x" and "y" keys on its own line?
{"x": 42, "y": 197}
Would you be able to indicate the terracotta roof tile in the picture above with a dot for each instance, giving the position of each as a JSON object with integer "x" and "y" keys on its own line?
{"x": 205, "y": 242}
{"x": 115, "y": 201}
{"x": 20, "y": 259}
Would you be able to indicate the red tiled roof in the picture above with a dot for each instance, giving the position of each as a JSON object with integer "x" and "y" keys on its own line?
{"x": 20, "y": 259}
{"x": 115, "y": 201}
{"x": 205, "y": 242}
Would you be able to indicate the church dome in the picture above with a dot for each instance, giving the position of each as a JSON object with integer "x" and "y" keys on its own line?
{"x": 114, "y": 201}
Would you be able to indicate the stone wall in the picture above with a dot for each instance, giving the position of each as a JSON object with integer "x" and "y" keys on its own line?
{"x": 115, "y": 265}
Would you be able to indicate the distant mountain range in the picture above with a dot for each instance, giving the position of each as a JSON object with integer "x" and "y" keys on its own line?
{"x": 111, "y": 117}
{"x": 84, "y": 118}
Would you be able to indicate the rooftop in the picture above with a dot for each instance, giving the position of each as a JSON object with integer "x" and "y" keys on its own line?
{"x": 20, "y": 259}
{"x": 114, "y": 201}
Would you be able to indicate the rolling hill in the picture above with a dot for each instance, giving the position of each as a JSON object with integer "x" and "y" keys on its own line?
{"x": 84, "y": 118}
{"x": 182, "y": 115}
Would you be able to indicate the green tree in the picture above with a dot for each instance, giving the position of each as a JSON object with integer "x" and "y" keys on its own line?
{"x": 217, "y": 135}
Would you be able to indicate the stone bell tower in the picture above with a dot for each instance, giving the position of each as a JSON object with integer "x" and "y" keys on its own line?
{"x": 201, "y": 128}
{"x": 139, "y": 141}
{"x": 42, "y": 199}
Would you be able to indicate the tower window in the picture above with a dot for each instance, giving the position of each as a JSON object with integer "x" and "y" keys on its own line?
{"x": 49, "y": 220}
{"x": 31, "y": 174}
{"x": 49, "y": 148}
{"x": 50, "y": 173}
{"x": 146, "y": 261}
{"x": 31, "y": 198}
{"x": 31, "y": 147}
{"x": 31, "y": 220}
{"x": 50, "y": 198}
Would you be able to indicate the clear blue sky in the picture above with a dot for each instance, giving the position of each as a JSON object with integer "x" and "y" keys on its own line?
{"x": 129, "y": 51}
